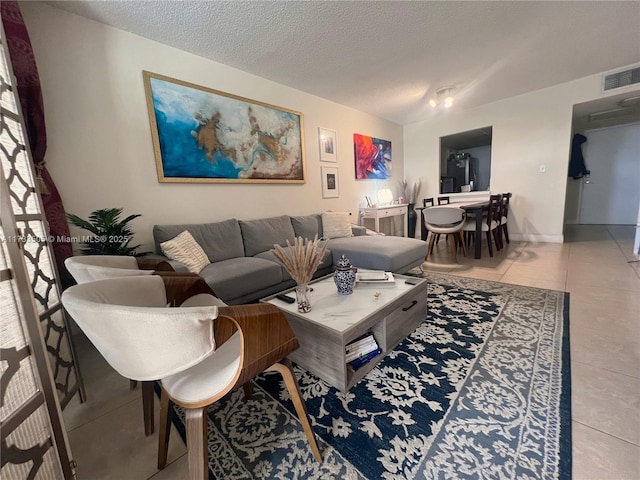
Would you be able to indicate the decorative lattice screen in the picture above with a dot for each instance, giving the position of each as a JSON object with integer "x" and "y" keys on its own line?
{"x": 33, "y": 237}
{"x": 37, "y": 365}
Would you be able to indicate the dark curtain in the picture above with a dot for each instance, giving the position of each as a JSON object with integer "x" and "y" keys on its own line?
{"x": 25, "y": 71}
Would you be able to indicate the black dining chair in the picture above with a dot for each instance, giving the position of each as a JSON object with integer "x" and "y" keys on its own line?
{"x": 492, "y": 224}
{"x": 505, "y": 215}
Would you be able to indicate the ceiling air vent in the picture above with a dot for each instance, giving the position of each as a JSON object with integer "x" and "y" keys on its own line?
{"x": 621, "y": 79}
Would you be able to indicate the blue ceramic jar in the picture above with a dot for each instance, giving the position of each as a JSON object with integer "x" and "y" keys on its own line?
{"x": 344, "y": 276}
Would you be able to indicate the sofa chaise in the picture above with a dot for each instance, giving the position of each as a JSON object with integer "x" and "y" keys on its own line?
{"x": 243, "y": 269}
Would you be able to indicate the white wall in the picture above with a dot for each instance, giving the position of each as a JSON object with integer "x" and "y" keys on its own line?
{"x": 572, "y": 201}
{"x": 528, "y": 131}
{"x": 636, "y": 243}
{"x": 100, "y": 152}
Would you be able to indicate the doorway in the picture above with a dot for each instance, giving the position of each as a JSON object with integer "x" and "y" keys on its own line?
{"x": 465, "y": 161}
{"x": 609, "y": 195}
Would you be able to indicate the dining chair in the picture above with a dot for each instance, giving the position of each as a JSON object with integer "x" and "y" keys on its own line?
{"x": 199, "y": 351}
{"x": 445, "y": 220}
{"x": 444, "y": 200}
{"x": 505, "y": 215}
{"x": 426, "y": 203}
{"x": 89, "y": 268}
{"x": 491, "y": 225}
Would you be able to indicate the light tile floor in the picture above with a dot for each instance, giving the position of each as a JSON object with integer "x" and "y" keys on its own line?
{"x": 595, "y": 264}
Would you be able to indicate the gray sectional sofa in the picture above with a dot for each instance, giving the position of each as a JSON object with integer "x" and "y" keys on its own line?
{"x": 243, "y": 269}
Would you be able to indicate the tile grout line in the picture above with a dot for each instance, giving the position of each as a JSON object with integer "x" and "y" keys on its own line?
{"x": 95, "y": 419}
{"x": 606, "y": 370}
{"x": 159, "y": 472}
{"x": 605, "y": 433}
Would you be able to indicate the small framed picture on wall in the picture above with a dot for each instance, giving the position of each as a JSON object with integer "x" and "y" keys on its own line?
{"x": 328, "y": 146}
{"x": 330, "y": 187}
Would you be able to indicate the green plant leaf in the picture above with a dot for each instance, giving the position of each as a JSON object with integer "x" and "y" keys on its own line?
{"x": 111, "y": 236}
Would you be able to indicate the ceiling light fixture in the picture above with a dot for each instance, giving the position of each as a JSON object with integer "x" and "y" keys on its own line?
{"x": 444, "y": 95}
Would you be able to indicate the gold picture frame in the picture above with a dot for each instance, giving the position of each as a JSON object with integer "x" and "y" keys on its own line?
{"x": 202, "y": 135}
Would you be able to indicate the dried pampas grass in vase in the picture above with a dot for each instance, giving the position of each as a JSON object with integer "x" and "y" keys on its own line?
{"x": 301, "y": 260}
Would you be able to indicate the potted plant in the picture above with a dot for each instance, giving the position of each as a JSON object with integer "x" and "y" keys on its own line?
{"x": 111, "y": 235}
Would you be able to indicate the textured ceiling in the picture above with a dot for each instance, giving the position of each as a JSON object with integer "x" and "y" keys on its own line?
{"x": 388, "y": 57}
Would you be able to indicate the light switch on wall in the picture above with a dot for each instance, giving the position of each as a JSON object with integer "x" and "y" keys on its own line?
{"x": 542, "y": 168}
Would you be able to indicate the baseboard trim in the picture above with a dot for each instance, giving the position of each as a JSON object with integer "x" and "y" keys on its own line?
{"x": 531, "y": 237}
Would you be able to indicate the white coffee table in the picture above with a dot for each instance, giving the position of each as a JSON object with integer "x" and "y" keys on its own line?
{"x": 389, "y": 311}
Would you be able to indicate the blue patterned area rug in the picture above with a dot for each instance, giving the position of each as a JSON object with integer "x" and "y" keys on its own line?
{"x": 480, "y": 390}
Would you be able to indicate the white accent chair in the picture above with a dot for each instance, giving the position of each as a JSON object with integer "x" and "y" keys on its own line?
{"x": 89, "y": 268}
{"x": 199, "y": 351}
{"x": 447, "y": 220}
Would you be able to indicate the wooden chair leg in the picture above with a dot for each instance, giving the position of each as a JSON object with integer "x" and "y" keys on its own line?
{"x": 248, "y": 393}
{"x": 164, "y": 429}
{"x": 147, "y": 407}
{"x": 461, "y": 239}
{"x": 430, "y": 245}
{"x": 133, "y": 384}
{"x": 489, "y": 243}
{"x": 197, "y": 443}
{"x": 454, "y": 247}
{"x": 505, "y": 230}
{"x": 497, "y": 236}
{"x": 286, "y": 370}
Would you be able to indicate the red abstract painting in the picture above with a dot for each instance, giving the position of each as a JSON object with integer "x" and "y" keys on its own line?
{"x": 372, "y": 156}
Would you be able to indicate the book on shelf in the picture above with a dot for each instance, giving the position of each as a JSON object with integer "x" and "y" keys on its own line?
{"x": 357, "y": 343}
{"x": 360, "y": 361}
{"x": 360, "y": 347}
{"x": 361, "y": 351}
{"x": 363, "y": 348}
{"x": 364, "y": 336}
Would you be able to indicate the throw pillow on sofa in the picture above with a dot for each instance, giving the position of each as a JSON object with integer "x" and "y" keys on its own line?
{"x": 336, "y": 224}
{"x": 186, "y": 250}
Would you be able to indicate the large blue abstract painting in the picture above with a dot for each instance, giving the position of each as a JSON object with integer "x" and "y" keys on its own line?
{"x": 204, "y": 135}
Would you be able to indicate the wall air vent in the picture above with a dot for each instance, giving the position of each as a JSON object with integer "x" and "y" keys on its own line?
{"x": 621, "y": 79}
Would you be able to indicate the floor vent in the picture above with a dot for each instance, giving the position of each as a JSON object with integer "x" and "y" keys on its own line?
{"x": 621, "y": 79}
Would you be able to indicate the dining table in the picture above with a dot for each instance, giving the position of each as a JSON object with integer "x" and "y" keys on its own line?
{"x": 474, "y": 208}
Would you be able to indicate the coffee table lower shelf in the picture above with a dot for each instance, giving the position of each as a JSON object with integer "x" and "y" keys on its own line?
{"x": 322, "y": 348}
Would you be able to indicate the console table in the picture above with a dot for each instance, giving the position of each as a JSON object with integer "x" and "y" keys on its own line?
{"x": 376, "y": 213}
